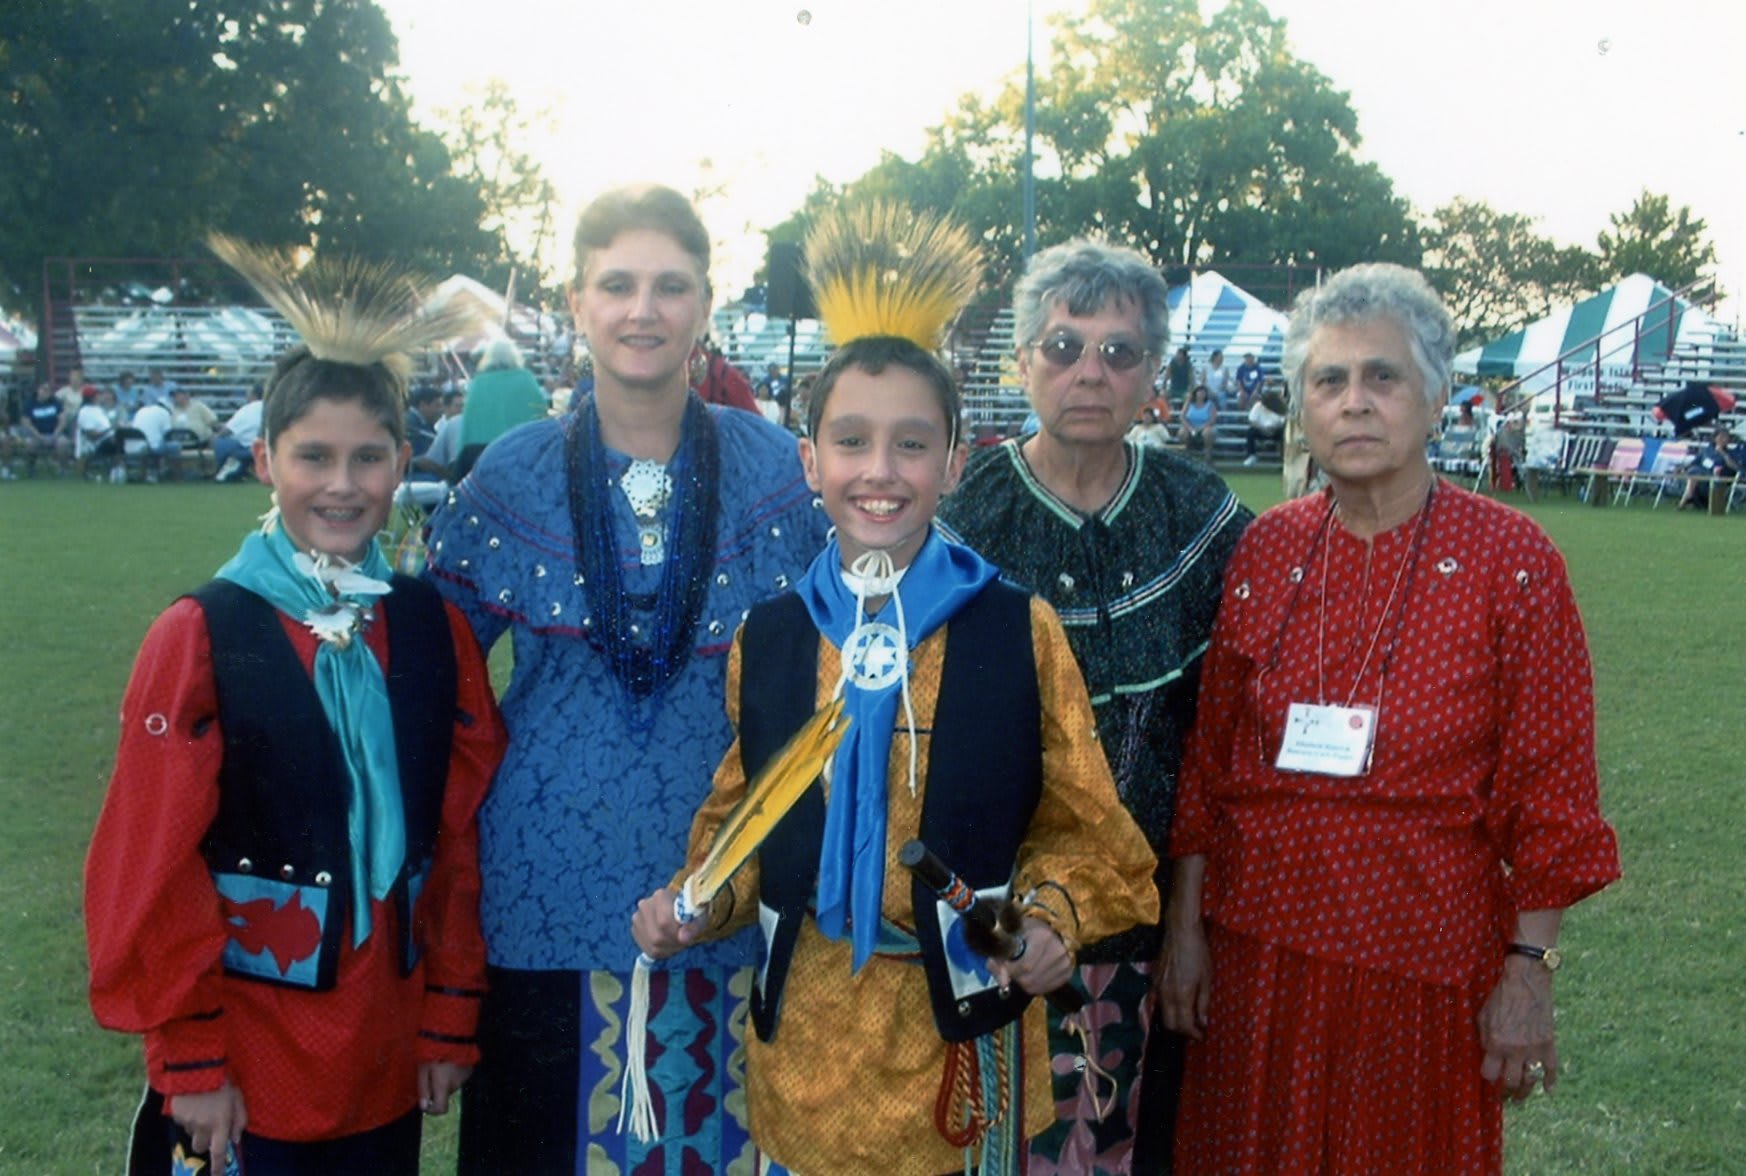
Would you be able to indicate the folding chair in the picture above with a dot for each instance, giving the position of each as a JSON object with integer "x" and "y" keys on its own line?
{"x": 1673, "y": 458}
{"x": 1622, "y": 463}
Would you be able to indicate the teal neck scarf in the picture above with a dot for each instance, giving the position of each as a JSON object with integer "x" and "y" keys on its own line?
{"x": 333, "y": 598}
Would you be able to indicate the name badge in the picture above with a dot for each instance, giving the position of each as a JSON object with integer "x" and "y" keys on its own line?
{"x": 1328, "y": 740}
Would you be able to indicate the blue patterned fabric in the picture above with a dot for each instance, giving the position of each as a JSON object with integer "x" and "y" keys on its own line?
{"x": 696, "y": 1047}
{"x": 592, "y": 805}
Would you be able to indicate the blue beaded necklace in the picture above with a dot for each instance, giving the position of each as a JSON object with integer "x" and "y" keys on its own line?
{"x": 645, "y": 667}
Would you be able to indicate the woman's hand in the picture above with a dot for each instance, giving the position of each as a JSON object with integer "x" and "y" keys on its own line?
{"x": 436, "y": 1082}
{"x": 1516, "y": 1030}
{"x": 657, "y": 929}
{"x": 1045, "y": 965}
{"x": 1182, "y": 980}
{"x": 214, "y": 1120}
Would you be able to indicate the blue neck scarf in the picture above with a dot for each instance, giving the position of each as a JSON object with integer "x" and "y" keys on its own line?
{"x": 354, "y": 696}
{"x": 942, "y": 579}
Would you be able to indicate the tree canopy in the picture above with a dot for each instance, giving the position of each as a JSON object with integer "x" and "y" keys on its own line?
{"x": 128, "y": 128}
{"x": 1204, "y": 142}
{"x": 1653, "y": 238}
{"x": 1495, "y": 271}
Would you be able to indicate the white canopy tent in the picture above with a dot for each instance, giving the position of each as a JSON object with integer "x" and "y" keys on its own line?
{"x": 1604, "y": 339}
{"x": 1211, "y": 313}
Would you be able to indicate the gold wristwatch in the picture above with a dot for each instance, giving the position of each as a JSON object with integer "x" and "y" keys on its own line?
{"x": 1550, "y": 957}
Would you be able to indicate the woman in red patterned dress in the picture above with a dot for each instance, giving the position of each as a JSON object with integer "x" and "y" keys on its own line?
{"x": 1390, "y": 794}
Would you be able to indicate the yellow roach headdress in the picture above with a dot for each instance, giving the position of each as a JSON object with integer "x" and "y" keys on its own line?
{"x": 346, "y": 310}
{"x": 882, "y": 269}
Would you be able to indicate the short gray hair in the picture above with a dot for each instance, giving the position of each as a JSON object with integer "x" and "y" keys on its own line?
{"x": 500, "y": 353}
{"x": 1085, "y": 276}
{"x": 1362, "y": 293}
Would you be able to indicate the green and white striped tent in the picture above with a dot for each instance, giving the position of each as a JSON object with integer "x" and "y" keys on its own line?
{"x": 1610, "y": 317}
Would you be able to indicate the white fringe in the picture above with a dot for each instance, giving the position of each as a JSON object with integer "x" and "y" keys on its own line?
{"x": 633, "y": 1095}
{"x": 634, "y": 1102}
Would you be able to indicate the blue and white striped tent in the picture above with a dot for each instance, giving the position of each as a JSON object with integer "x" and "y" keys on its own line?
{"x": 1210, "y": 313}
{"x": 1610, "y": 316}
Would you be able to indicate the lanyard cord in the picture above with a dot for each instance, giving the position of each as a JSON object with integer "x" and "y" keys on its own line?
{"x": 1381, "y": 622}
{"x": 1408, "y": 569}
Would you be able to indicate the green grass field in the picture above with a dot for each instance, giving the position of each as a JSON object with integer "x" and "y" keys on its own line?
{"x": 1650, "y": 1000}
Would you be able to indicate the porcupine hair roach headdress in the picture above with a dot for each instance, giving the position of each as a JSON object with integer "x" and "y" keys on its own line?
{"x": 887, "y": 282}
{"x": 359, "y": 324}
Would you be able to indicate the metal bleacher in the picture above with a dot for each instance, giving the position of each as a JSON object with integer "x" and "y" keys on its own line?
{"x": 1605, "y": 391}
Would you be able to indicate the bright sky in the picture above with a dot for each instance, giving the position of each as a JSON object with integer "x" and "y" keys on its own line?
{"x": 1558, "y": 109}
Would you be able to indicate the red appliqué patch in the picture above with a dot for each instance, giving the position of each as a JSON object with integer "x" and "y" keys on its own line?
{"x": 291, "y": 932}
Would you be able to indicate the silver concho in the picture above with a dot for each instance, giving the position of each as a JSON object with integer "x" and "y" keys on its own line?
{"x": 874, "y": 656}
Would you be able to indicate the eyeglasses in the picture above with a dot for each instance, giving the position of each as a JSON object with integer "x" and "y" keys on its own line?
{"x": 1063, "y": 351}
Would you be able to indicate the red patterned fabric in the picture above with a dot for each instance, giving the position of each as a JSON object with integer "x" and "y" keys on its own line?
{"x": 310, "y": 1065}
{"x": 1313, "y": 1067}
{"x": 1483, "y": 759}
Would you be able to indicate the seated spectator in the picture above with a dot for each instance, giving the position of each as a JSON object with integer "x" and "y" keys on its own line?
{"x": 767, "y": 405}
{"x": 1178, "y": 375}
{"x": 774, "y": 384}
{"x": 41, "y": 433}
{"x": 1149, "y": 430}
{"x": 454, "y": 402}
{"x": 1217, "y": 379}
{"x": 129, "y": 396}
{"x": 233, "y": 444}
{"x": 1266, "y": 423}
{"x": 1249, "y": 380}
{"x": 1199, "y": 419}
{"x": 424, "y": 410}
{"x": 1719, "y": 461}
{"x": 72, "y": 395}
{"x": 154, "y": 420}
{"x": 501, "y": 396}
{"x": 802, "y": 402}
{"x": 720, "y": 382}
{"x": 158, "y": 389}
{"x": 94, "y": 441}
{"x": 196, "y": 416}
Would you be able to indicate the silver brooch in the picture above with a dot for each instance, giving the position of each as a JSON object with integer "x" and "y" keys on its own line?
{"x": 494, "y": 543}
{"x": 1297, "y": 575}
{"x": 505, "y": 596}
{"x": 1448, "y": 565}
{"x": 156, "y": 724}
{"x": 1242, "y": 591}
{"x": 721, "y": 579}
{"x": 716, "y": 627}
{"x": 1522, "y": 578}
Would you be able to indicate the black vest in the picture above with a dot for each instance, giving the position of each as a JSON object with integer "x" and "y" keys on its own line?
{"x": 282, "y": 786}
{"x": 985, "y": 773}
